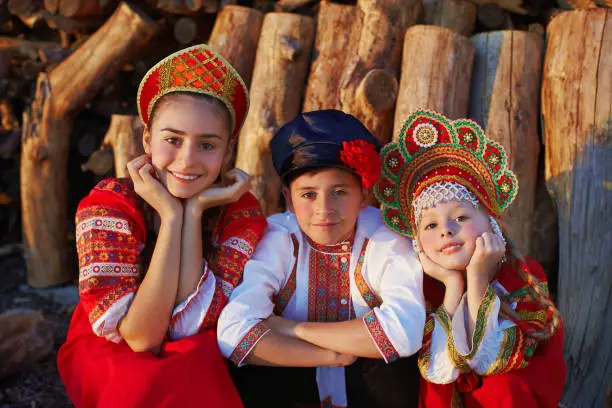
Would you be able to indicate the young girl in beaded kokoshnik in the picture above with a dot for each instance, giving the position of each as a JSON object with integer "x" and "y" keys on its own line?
{"x": 493, "y": 337}
{"x": 159, "y": 254}
{"x": 329, "y": 281}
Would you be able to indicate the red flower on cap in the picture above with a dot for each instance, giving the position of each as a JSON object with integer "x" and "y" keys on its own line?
{"x": 362, "y": 157}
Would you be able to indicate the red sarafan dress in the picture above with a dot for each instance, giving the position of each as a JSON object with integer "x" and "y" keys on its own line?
{"x": 502, "y": 366}
{"x": 96, "y": 365}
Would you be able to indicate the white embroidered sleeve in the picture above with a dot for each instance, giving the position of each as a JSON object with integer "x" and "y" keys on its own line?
{"x": 187, "y": 317}
{"x": 240, "y": 325}
{"x": 489, "y": 337}
{"x": 397, "y": 325}
{"x": 435, "y": 359}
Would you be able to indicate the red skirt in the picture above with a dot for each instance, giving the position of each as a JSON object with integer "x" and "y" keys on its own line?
{"x": 187, "y": 373}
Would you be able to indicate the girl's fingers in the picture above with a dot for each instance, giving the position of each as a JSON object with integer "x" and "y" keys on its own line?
{"x": 146, "y": 172}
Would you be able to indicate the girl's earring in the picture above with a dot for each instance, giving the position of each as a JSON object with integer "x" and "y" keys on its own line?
{"x": 416, "y": 246}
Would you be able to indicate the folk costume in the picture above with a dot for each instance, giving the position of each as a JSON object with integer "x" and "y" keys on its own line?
{"x": 373, "y": 275}
{"x": 438, "y": 160}
{"x": 114, "y": 243}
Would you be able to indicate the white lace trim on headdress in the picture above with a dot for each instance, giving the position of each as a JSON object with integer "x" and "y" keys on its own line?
{"x": 442, "y": 192}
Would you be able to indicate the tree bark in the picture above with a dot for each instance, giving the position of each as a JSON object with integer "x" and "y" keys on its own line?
{"x": 504, "y": 101}
{"x": 235, "y": 37}
{"x": 80, "y": 8}
{"x": 456, "y": 15}
{"x": 436, "y": 72}
{"x": 577, "y": 113}
{"x": 329, "y": 56}
{"x": 45, "y": 137}
{"x": 368, "y": 86}
{"x": 283, "y": 54}
{"x": 122, "y": 143}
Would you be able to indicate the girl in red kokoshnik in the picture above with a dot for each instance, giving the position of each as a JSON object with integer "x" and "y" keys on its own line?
{"x": 160, "y": 253}
{"x": 493, "y": 337}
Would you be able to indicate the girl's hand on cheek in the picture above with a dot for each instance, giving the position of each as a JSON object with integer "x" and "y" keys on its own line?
{"x": 446, "y": 276}
{"x": 217, "y": 195}
{"x": 490, "y": 249}
{"x": 147, "y": 186}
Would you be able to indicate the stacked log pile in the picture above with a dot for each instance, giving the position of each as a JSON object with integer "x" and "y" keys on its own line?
{"x": 69, "y": 71}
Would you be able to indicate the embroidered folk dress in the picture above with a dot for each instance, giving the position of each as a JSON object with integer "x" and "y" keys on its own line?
{"x": 97, "y": 367}
{"x": 503, "y": 367}
{"x": 375, "y": 277}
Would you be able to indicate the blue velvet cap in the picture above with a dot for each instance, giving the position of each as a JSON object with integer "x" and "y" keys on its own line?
{"x": 314, "y": 140}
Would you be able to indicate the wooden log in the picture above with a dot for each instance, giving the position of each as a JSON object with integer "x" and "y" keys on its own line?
{"x": 456, "y": 15}
{"x": 235, "y": 37}
{"x": 577, "y": 113}
{"x": 122, "y": 143}
{"x": 28, "y": 11}
{"x": 80, "y": 8}
{"x": 188, "y": 7}
{"x": 25, "y": 338}
{"x": 45, "y": 137}
{"x": 504, "y": 101}
{"x": 436, "y": 72}
{"x": 579, "y": 4}
{"x": 368, "y": 86}
{"x": 283, "y": 53}
{"x": 329, "y": 56}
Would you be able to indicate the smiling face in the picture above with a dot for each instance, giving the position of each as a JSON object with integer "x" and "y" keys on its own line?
{"x": 326, "y": 204}
{"x": 188, "y": 142}
{"x": 447, "y": 232}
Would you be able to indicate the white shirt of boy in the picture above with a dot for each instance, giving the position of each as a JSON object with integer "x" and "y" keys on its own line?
{"x": 388, "y": 270}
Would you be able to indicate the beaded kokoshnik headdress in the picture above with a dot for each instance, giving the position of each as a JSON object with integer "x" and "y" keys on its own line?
{"x": 200, "y": 70}
{"x": 436, "y": 160}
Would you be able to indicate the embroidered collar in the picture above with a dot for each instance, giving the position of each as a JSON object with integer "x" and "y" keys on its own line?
{"x": 343, "y": 247}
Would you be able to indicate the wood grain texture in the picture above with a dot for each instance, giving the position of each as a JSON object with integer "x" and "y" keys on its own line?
{"x": 456, "y": 15}
{"x": 436, "y": 73}
{"x": 369, "y": 85}
{"x": 329, "y": 56}
{"x": 235, "y": 36}
{"x": 504, "y": 100}
{"x": 46, "y": 135}
{"x": 577, "y": 117}
{"x": 281, "y": 64}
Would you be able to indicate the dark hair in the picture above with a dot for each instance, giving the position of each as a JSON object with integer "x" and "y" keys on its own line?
{"x": 216, "y": 104}
{"x": 290, "y": 178}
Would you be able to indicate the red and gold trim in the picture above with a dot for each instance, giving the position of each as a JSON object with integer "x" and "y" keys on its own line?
{"x": 247, "y": 343}
{"x": 431, "y": 149}
{"x": 197, "y": 69}
{"x": 384, "y": 345}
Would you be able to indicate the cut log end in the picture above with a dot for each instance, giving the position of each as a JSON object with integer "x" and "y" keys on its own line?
{"x": 378, "y": 89}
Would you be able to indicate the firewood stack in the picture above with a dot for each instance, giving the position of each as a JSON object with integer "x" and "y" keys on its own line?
{"x": 69, "y": 70}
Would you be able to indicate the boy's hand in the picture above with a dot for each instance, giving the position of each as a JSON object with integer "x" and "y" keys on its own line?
{"x": 446, "y": 276}
{"x": 147, "y": 186}
{"x": 490, "y": 249}
{"x": 216, "y": 194}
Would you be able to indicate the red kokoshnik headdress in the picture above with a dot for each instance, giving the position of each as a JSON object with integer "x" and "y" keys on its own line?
{"x": 441, "y": 158}
{"x": 197, "y": 69}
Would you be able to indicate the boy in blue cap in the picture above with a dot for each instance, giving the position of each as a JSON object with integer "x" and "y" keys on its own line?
{"x": 328, "y": 282}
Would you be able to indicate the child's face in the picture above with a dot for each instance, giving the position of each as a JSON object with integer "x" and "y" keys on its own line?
{"x": 188, "y": 144}
{"x": 326, "y": 204}
{"x": 447, "y": 233}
